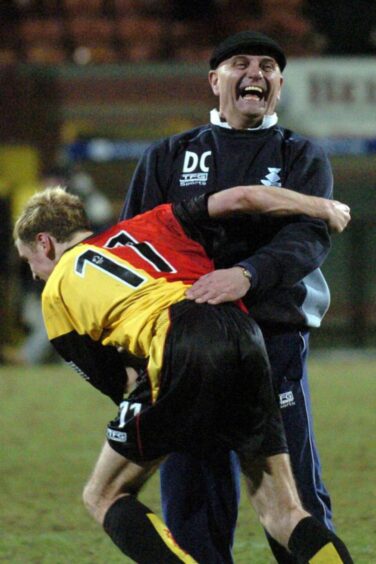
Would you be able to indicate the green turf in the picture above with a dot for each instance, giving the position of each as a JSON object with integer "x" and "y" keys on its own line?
{"x": 51, "y": 429}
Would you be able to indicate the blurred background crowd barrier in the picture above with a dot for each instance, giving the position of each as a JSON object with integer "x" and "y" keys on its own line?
{"x": 87, "y": 86}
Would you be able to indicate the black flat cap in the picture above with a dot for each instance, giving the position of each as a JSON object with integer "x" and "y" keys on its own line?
{"x": 247, "y": 43}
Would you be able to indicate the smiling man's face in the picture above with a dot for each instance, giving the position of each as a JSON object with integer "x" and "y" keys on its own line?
{"x": 248, "y": 87}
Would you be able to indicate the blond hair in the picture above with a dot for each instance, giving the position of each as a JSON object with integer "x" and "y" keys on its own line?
{"x": 54, "y": 211}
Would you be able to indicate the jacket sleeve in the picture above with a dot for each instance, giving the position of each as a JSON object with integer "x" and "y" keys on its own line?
{"x": 302, "y": 243}
{"x": 103, "y": 367}
{"x": 148, "y": 185}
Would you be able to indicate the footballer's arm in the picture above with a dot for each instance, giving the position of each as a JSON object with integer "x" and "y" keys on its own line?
{"x": 102, "y": 367}
{"x": 278, "y": 202}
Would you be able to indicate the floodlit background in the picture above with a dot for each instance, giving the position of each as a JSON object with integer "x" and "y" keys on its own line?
{"x": 85, "y": 87}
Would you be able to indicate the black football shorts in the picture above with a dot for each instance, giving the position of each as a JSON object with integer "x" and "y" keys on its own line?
{"x": 216, "y": 390}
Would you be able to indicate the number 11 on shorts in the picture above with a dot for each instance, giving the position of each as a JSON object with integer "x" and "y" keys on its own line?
{"x": 128, "y": 410}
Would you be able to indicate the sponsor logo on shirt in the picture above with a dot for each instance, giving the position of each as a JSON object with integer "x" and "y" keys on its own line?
{"x": 117, "y": 436}
{"x": 286, "y": 400}
{"x": 195, "y": 169}
{"x": 272, "y": 178}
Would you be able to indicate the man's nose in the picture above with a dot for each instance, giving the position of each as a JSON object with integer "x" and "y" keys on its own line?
{"x": 254, "y": 71}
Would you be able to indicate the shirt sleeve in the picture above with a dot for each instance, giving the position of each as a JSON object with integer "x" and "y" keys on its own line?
{"x": 147, "y": 189}
{"x": 101, "y": 366}
{"x": 302, "y": 243}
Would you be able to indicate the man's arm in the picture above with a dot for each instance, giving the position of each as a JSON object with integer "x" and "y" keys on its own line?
{"x": 231, "y": 284}
{"x": 277, "y": 202}
{"x": 298, "y": 247}
{"x": 147, "y": 188}
{"x": 103, "y": 367}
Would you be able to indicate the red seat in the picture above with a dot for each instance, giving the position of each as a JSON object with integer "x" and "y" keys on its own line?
{"x": 83, "y": 7}
{"x": 8, "y": 56}
{"x": 125, "y": 8}
{"x": 45, "y": 54}
{"x": 137, "y": 27}
{"x": 95, "y": 54}
{"x": 93, "y": 29}
{"x": 37, "y": 30}
{"x": 140, "y": 38}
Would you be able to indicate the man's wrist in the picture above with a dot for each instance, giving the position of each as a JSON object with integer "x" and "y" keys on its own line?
{"x": 246, "y": 274}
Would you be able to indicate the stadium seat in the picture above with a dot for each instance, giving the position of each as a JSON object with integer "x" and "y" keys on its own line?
{"x": 84, "y": 29}
{"x": 281, "y": 5}
{"x": 294, "y": 33}
{"x": 95, "y": 54}
{"x": 45, "y": 54}
{"x": 37, "y": 8}
{"x": 126, "y": 8}
{"x": 93, "y": 40}
{"x": 189, "y": 43}
{"x": 42, "y": 41}
{"x": 191, "y": 54}
{"x": 36, "y": 30}
{"x": 140, "y": 39}
{"x": 83, "y": 7}
{"x": 148, "y": 8}
{"x": 8, "y": 56}
{"x": 137, "y": 27}
{"x": 255, "y": 24}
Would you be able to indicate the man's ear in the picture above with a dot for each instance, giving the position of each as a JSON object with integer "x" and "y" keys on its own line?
{"x": 47, "y": 245}
{"x": 280, "y": 89}
{"x": 213, "y": 81}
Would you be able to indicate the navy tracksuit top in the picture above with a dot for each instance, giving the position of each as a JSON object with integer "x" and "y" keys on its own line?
{"x": 284, "y": 255}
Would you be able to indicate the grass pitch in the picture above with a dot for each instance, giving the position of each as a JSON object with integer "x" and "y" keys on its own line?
{"x": 52, "y": 427}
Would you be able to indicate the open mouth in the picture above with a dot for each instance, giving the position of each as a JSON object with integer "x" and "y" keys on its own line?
{"x": 252, "y": 93}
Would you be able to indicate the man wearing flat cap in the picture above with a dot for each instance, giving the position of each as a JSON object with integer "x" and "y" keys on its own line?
{"x": 273, "y": 264}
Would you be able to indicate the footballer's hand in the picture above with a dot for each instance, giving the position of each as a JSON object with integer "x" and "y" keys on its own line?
{"x": 338, "y": 216}
{"x": 225, "y": 285}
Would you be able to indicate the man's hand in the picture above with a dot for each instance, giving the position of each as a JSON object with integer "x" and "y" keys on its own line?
{"x": 338, "y": 215}
{"x": 220, "y": 286}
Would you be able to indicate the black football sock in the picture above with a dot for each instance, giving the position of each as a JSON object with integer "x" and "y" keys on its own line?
{"x": 141, "y": 535}
{"x": 281, "y": 554}
{"x": 311, "y": 542}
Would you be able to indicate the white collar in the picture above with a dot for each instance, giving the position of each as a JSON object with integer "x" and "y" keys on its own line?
{"x": 268, "y": 121}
